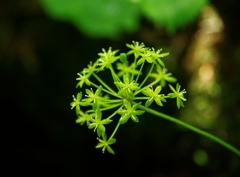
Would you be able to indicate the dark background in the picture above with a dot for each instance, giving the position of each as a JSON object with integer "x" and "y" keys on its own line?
{"x": 39, "y": 60}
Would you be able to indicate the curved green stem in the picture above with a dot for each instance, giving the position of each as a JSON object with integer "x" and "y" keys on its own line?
{"x": 115, "y": 131}
{"x": 135, "y": 63}
{"x": 190, "y": 127}
{"x": 106, "y": 108}
{"x": 140, "y": 71}
{"x": 150, "y": 71}
{"x": 112, "y": 92}
{"x": 116, "y": 128}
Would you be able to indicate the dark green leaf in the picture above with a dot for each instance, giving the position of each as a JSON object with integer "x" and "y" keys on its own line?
{"x": 96, "y": 18}
{"x": 172, "y": 14}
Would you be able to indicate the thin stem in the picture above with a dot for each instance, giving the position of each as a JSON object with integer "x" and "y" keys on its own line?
{"x": 110, "y": 93}
{"x": 190, "y": 127}
{"x": 141, "y": 98}
{"x": 115, "y": 112}
{"x": 149, "y": 85}
{"x": 150, "y": 71}
{"x": 116, "y": 128}
{"x": 114, "y": 101}
{"x": 140, "y": 71}
{"x": 106, "y": 108}
{"x": 115, "y": 131}
{"x": 114, "y": 76}
{"x": 135, "y": 60}
{"x": 105, "y": 85}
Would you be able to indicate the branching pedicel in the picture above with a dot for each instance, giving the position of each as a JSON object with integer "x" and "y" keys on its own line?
{"x": 134, "y": 92}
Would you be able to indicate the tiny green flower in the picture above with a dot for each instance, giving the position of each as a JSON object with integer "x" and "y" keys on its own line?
{"x": 146, "y": 56}
{"x": 177, "y": 94}
{"x": 130, "y": 111}
{"x": 127, "y": 86}
{"x": 98, "y": 123}
{"x": 136, "y": 48}
{"x": 77, "y": 102}
{"x": 83, "y": 78}
{"x": 90, "y": 69}
{"x": 126, "y": 69}
{"x": 107, "y": 58}
{"x": 163, "y": 76}
{"x": 154, "y": 95}
{"x": 105, "y": 144}
{"x": 83, "y": 117}
{"x": 94, "y": 97}
{"x": 157, "y": 55}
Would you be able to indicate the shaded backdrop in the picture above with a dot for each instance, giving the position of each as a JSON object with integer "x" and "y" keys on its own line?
{"x": 39, "y": 60}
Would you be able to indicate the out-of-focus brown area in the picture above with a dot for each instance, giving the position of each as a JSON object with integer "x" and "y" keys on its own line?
{"x": 39, "y": 60}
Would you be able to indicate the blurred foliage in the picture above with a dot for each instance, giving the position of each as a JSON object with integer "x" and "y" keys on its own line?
{"x": 109, "y": 18}
{"x": 172, "y": 14}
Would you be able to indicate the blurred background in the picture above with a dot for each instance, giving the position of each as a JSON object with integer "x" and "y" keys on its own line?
{"x": 45, "y": 43}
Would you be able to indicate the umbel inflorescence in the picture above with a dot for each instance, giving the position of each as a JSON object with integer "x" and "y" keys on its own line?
{"x": 135, "y": 89}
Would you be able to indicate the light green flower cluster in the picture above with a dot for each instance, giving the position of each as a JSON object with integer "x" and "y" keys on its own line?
{"x": 133, "y": 85}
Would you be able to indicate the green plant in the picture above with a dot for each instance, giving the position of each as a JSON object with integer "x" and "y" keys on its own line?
{"x": 133, "y": 94}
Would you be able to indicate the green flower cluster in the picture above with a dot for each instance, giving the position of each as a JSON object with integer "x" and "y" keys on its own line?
{"x": 132, "y": 87}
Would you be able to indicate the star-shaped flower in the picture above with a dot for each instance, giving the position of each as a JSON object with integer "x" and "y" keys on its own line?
{"x": 177, "y": 94}
{"x": 83, "y": 117}
{"x": 77, "y": 102}
{"x": 146, "y": 56}
{"x": 90, "y": 69}
{"x": 126, "y": 86}
{"x": 105, "y": 144}
{"x": 94, "y": 97}
{"x": 98, "y": 123}
{"x": 154, "y": 95}
{"x": 107, "y": 58}
{"x": 125, "y": 68}
{"x": 83, "y": 78}
{"x": 136, "y": 48}
{"x": 130, "y": 111}
{"x": 157, "y": 55}
{"x": 163, "y": 76}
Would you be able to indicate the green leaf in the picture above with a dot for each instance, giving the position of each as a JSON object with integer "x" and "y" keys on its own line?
{"x": 134, "y": 118}
{"x": 124, "y": 118}
{"x": 96, "y": 18}
{"x": 92, "y": 125}
{"x": 106, "y": 121}
{"x": 98, "y": 91}
{"x": 149, "y": 101}
{"x": 100, "y": 129}
{"x": 172, "y": 95}
{"x": 140, "y": 61}
{"x": 173, "y": 14}
{"x": 110, "y": 150}
{"x": 99, "y": 145}
{"x": 111, "y": 141}
{"x": 158, "y": 89}
{"x": 127, "y": 104}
